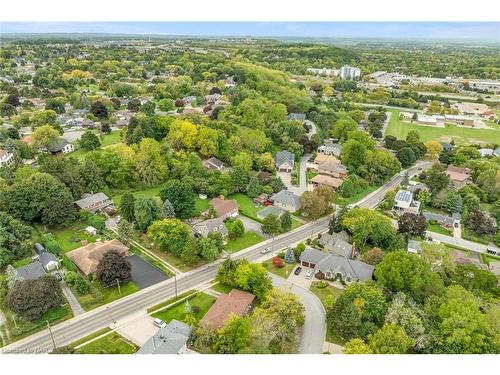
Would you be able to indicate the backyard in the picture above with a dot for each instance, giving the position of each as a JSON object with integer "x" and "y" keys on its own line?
{"x": 247, "y": 206}
{"x": 461, "y": 135}
{"x": 71, "y": 237}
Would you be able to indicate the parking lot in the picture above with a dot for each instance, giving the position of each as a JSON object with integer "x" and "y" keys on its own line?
{"x": 144, "y": 274}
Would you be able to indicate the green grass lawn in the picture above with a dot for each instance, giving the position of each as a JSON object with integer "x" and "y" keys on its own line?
{"x": 101, "y": 296}
{"x": 147, "y": 193}
{"x": 222, "y": 288}
{"x": 310, "y": 175}
{"x": 296, "y": 223}
{"x": 248, "y": 239}
{"x": 283, "y": 272}
{"x": 461, "y": 135}
{"x": 71, "y": 237}
{"x": 356, "y": 197}
{"x": 323, "y": 294}
{"x": 247, "y": 206}
{"x": 201, "y": 205}
{"x": 109, "y": 344}
{"x": 171, "y": 300}
{"x": 436, "y": 228}
{"x": 20, "y": 328}
{"x": 487, "y": 258}
{"x": 110, "y": 139}
{"x": 90, "y": 337}
{"x": 201, "y": 300}
{"x": 467, "y": 234}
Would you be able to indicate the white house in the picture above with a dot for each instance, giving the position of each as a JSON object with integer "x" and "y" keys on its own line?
{"x": 6, "y": 158}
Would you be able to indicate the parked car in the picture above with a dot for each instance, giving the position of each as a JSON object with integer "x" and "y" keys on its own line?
{"x": 492, "y": 250}
{"x": 266, "y": 250}
{"x": 309, "y": 274}
{"x": 297, "y": 271}
{"x": 58, "y": 276}
{"x": 159, "y": 323}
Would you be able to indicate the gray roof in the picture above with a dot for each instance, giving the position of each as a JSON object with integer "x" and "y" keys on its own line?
{"x": 439, "y": 217}
{"x": 417, "y": 186}
{"x": 325, "y": 262}
{"x": 59, "y": 145}
{"x": 328, "y": 240}
{"x": 403, "y": 196}
{"x": 270, "y": 210}
{"x": 46, "y": 258}
{"x": 413, "y": 244}
{"x": 39, "y": 248}
{"x": 297, "y": 116}
{"x": 213, "y": 163}
{"x": 342, "y": 248}
{"x": 91, "y": 200}
{"x": 286, "y": 197}
{"x": 211, "y": 225}
{"x": 31, "y": 271}
{"x": 283, "y": 157}
{"x": 168, "y": 340}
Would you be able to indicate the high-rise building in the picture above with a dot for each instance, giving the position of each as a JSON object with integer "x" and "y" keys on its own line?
{"x": 349, "y": 72}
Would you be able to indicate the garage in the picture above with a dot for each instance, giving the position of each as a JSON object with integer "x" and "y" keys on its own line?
{"x": 144, "y": 274}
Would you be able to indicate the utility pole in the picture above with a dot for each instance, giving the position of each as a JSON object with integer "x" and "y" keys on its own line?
{"x": 51, "y": 335}
{"x": 175, "y": 284}
{"x": 118, "y": 283}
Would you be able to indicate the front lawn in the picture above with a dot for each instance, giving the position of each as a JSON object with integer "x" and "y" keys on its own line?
{"x": 310, "y": 175}
{"x": 436, "y": 228}
{"x": 323, "y": 293}
{"x": 101, "y": 296}
{"x": 338, "y": 199}
{"x": 222, "y": 288}
{"x": 248, "y": 239}
{"x": 199, "y": 304}
{"x": 283, "y": 272}
{"x": 247, "y": 206}
{"x": 109, "y": 344}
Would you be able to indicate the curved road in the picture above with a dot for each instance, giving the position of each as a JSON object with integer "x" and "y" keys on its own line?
{"x": 314, "y": 329}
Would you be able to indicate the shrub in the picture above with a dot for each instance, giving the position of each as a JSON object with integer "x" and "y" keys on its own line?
{"x": 277, "y": 262}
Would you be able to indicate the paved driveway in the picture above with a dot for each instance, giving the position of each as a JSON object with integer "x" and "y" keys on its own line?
{"x": 300, "y": 279}
{"x": 138, "y": 329}
{"x": 252, "y": 226}
{"x": 314, "y": 329}
{"x": 144, "y": 274}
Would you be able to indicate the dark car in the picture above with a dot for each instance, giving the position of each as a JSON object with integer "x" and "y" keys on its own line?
{"x": 297, "y": 271}
{"x": 58, "y": 276}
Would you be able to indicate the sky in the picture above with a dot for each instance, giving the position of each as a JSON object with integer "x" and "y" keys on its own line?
{"x": 427, "y": 30}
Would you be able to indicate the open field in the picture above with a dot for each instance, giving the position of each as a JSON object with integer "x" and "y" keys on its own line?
{"x": 199, "y": 304}
{"x": 461, "y": 135}
{"x": 248, "y": 239}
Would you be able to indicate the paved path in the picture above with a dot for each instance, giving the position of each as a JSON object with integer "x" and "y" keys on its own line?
{"x": 286, "y": 177}
{"x": 313, "y": 130}
{"x": 314, "y": 329}
{"x": 73, "y": 302}
{"x": 386, "y": 122}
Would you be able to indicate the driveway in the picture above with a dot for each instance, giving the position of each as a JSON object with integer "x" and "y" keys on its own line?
{"x": 138, "y": 329}
{"x": 300, "y": 279}
{"x": 287, "y": 178}
{"x": 73, "y": 302}
{"x": 144, "y": 274}
{"x": 252, "y": 226}
{"x": 314, "y": 329}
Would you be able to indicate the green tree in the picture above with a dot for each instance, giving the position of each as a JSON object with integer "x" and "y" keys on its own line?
{"x": 271, "y": 225}
{"x": 253, "y": 278}
{"x": 145, "y": 212}
{"x": 181, "y": 195}
{"x": 233, "y": 336}
{"x": 127, "y": 206}
{"x": 412, "y": 225}
{"x": 237, "y": 230}
{"x": 390, "y": 339}
{"x": 170, "y": 235}
{"x": 406, "y": 156}
{"x": 286, "y": 222}
{"x": 357, "y": 346}
{"x": 89, "y": 141}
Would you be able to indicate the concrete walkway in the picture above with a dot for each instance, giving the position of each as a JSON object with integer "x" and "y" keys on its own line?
{"x": 314, "y": 329}
{"x": 73, "y": 302}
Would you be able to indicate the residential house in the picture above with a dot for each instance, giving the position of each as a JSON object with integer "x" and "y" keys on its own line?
{"x": 6, "y": 158}
{"x": 332, "y": 168}
{"x": 337, "y": 243}
{"x": 467, "y": 108}
{"x": 225, "y": 208}
{"x": 214, "y": 164}
{"x": 212, "y": 98}
{"x": 62, "y": 147}
{"x": 270, "y": 210}
{"x": 286, "y": 200}
{"x": 171, "y": 339}
{"x": 205, "y": 227}
{"x": 330, "y": 148}
{"x": 415, "y": 187}
{"x": 331, "y": 267}
{"x": 452, "y": 221}
{"x": 413, "y": 246}
{"x": 284, "y": 161}
{"x": 237, "y": 302}
{"x": 32, "y": 271}
{"x": 320, "y": 158}
{"x": 484, "y": 152}
{"x": 93, "y": 202}
{"x": 301, "y": 117}
{"x": 87, "y": 257}
{"x": 447, "y": 146}
{"x": 458, "y": 176}
{"x": 404, "y": 202}
{"x": 322, "y": 180}
{"x": 460, "y": 120}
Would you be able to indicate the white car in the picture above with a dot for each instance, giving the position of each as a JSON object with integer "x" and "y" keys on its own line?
{"x": 309, "y": 274}
{"x": 159, "y": 323}
{"x": 266, "y": 250}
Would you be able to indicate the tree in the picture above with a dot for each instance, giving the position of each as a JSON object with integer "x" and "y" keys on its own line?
{"x": 89, "y": 141}
{"x": 253, "y": 187}
{"x": 170, "y": 235}
{"x": 453, "y": 202}
{"x": 277, "y": 262}
{"x": 150, "y": 165}
{"x": 146, "y": 211}
{"x": 286, "y": 222}
{"x": 480, "y": 223}
{"x": 166, "y": 105}
{"x": 289, "y": 255}
{"x": 15, "y": 239}
{"x": 424, "y": 198}
{"x": 253, "y": 278}
{"x": 237, "y": 230}
{"x": 181, "y": 195}
{"x": 434, "y": 149}
{"x": 50, "y": 243}
{"x": 113, "y": 267}
{"x": 374, "y": 256}
{"x": 127, "y": 207}
{"x": 211, "y": 246}
{"x": 40, "y": 198}
{"x": 390, "y": 339}
{"x": 271, "y": 225}
{"x": 412, "y": 225}
{"x": 99, "y": 110}
{"x": 358, "y": 311}
{"x": 125, "y": 231}
{"x": 357, "y": 346}
{"x": 32, "y": 298}
{"x": 409, "y": 273}
{"x": 168, "y": 210}
{"x": 475, "y": 279}
{"x": 406, "y": 156}
{"x": 353, "y": 154}
{"x": 318, "y": 202}
{"x": 437, "y": 180}
{"x": 45, "y": 136}
{"x": 233, "y": 336}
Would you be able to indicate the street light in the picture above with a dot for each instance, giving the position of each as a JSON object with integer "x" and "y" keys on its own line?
{"x": 175, "y": 284}
{"x": 51, "y": 335}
